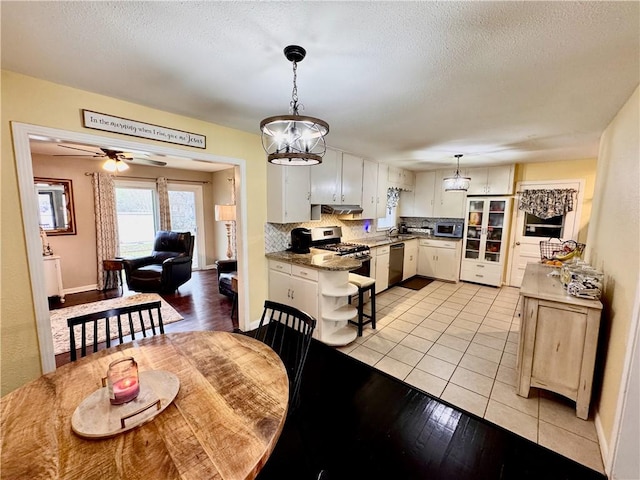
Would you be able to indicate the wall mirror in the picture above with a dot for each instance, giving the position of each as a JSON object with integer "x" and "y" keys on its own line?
{"x": 55, "y": 206}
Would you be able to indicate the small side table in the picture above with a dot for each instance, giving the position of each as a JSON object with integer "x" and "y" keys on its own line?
{"x": 112, "y": 267}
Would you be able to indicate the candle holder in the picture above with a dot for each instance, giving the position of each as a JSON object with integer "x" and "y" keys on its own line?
{"x": 123, "y": 382}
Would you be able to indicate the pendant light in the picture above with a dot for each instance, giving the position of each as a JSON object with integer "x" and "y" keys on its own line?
{"x": 294, "y": 139}
{"x": 457, "y": 183}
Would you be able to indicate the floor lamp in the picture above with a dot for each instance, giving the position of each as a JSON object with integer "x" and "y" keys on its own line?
{"x": 227, "y": 214}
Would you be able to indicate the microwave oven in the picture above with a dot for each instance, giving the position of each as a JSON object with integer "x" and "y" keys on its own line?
{"x": 448, "y": 229}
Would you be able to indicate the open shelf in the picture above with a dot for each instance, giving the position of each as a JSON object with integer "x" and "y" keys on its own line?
{"x": 341, "y": 314}
{"x": 344, "y": 290}
{"x": 342, "y": 336}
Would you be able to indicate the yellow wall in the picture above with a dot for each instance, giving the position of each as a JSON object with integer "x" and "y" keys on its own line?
{"x": 613, "y": 247}
{"x": 29, "y": 100}
{"x": 566, "y": 170}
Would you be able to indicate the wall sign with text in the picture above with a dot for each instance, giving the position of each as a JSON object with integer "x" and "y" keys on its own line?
{"x": 109, "y": 123}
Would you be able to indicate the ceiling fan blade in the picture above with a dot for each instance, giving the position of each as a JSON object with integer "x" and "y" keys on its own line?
{"x": 148, "y": 161}
{"x": 98, "y": 154}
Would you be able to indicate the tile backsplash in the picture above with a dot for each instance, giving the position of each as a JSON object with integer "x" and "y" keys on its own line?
{"x": 277, "y": 236}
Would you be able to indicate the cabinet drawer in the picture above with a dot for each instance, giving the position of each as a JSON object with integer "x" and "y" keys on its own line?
{"x": 308, "y": 273}
{"x": 438, "y": 243}
{"x": 280, "y": 266}
{"x": 481, "y": 273}
{"x": 382, "y": 250}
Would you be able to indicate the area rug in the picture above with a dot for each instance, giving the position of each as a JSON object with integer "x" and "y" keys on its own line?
{"x": 416, "y": 283}
{"x": 59, "y": 316}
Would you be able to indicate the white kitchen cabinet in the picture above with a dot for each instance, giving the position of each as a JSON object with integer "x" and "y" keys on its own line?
{"x": 382, "y": 268}
{"x": 395, "y": 176}
{"x": 369, "y": 189}
{"x": 288, "y": 194}
{"x": 337, "y": 180}
{"x": 408, "y": 179}
{"x": 491, "y": 180}
{"x": 53, "y": 277}
{"x": 447, "y": 204}
{"x": 352, "y": 171}
{"x": 485, "y": 239}
{"x": 294, "y": 285}
{"x": 424, "y": 193}
{"x": 326, "y": 179}
{"x": 410, "y": 263}
{"x": 439, "y": 259}
{"x": 383, "y": 185}
{"x": 406, "y": 205}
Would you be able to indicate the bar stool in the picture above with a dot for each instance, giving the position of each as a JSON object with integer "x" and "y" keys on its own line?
{"x": 364, "y": 284}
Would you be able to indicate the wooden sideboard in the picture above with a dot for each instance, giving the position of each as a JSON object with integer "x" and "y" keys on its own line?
{"x": 558, "y": 338}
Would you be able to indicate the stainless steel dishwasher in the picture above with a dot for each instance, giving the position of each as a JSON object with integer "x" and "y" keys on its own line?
{"x": 396, "y": 260}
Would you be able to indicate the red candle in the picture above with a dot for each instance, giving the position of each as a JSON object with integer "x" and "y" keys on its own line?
{"x": 125, "y": 390}
{"x": 123, "y": 381}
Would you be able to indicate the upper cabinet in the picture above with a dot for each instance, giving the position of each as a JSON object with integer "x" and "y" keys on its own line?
{"x": 351, "y": 179}
{"x": 491, "y": 180}
{"x": 288, "y": 194}
{"x": 369, "y": 189}
{"x": 430, "y": 199}
{"x": 337, "y": 180}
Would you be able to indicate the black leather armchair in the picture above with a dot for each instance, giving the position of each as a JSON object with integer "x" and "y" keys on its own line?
{"x": 168, "y": 266}
{"x": 226, "y": 268}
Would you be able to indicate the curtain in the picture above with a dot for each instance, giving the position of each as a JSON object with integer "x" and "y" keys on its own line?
{"x": 104, "y": 197}
{"x": 163, "y": 204}
{"x": 547, "y": 203}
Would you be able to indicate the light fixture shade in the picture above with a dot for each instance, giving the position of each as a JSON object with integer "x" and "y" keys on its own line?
{"x": 294, "y": 139}
{"x": 456, "y": 183}
{"x": 225, "y": 213}
{"x": 111, "y": 165}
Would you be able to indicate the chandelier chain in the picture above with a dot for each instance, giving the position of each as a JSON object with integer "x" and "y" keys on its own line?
{"x": 293, "y": 106}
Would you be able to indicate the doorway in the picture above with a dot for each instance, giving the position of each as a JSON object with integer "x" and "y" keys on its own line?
{"x": 528, "y": 231}
{"x": 23, "y": 133}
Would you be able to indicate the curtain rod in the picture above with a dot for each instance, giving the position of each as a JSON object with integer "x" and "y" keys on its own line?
{"x": 88, "y": 174}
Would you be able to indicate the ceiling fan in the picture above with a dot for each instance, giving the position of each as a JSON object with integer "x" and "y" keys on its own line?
{"x": 115, "y": 156}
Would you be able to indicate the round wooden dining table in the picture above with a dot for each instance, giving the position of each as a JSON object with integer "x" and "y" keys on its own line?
{"x": 223, "y": 423}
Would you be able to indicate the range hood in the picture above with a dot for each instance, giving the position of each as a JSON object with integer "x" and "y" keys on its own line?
{"x": 341, "y": 209}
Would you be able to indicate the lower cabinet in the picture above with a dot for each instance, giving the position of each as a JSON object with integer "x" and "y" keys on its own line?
{"x": 439, "y": 259}
{"x": 381, "y": 268}
{"x": 410, "y": 264}
{"x": 322, "y": 294}
{"x": 295, "y": 286}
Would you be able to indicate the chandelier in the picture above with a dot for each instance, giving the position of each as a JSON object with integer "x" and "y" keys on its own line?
{"x": 294, "y": 139}
{"x": 456, "y": 183}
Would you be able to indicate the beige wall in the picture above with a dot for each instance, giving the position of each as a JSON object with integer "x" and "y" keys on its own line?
{"x": 613, "y": 246}
{"x": 29, "y": 100}
{"x": 567, "y": 170}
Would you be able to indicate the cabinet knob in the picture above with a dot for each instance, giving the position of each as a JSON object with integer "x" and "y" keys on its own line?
{"x": 518, "y": 243}
{"x": 292, "y": 294}
{"x": 342, "y": 198}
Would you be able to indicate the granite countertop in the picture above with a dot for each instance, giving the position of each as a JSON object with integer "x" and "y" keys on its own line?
{"x": 323, "y": 261}
{"x": 384, "y": 240}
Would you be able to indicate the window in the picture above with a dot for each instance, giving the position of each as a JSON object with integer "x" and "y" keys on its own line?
{"x": 137, "y": 219}
{"x": 385, "y": 223}
{"x": 547, "y": 228}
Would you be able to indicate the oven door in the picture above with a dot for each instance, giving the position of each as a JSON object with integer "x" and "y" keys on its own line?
{"x": 365, "y": 269}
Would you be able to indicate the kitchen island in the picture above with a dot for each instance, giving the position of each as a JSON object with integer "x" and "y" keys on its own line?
{"x": 558, "y": 338}
{"x": 317, "y": 284}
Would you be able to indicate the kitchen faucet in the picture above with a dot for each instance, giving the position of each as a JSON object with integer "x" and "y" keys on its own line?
{"x": 391, "y": 230}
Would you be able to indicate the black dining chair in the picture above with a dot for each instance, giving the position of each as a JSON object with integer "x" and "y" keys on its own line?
{"x": 145, "y": 317}
{"x": 288, "y": 331}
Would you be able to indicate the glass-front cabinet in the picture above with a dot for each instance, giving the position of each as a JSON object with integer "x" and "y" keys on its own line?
{"x": 485, "y": 239}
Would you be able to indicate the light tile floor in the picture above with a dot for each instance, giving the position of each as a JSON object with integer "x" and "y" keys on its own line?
{"x": 458, "y": 342}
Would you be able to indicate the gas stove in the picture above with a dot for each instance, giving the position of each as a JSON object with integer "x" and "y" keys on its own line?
{"x": 328, "y": 239}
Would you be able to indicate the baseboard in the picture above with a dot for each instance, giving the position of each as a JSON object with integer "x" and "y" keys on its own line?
{"x": 84, "y": 288}
{"x": 603, "y": 442}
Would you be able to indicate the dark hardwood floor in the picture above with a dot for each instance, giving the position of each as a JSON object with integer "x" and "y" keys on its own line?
{"x": 355, "y": 422}
{"x": 198, "y": 301}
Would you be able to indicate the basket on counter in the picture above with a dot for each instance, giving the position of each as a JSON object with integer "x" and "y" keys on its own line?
{"x": 557, "y": 250}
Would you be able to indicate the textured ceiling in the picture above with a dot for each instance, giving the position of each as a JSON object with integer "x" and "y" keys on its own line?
{"x": 411, "y": 83}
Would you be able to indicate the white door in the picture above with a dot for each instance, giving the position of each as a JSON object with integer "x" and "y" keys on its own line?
{"x": 186, "y": 205}
{"x": 526, "y": 235}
